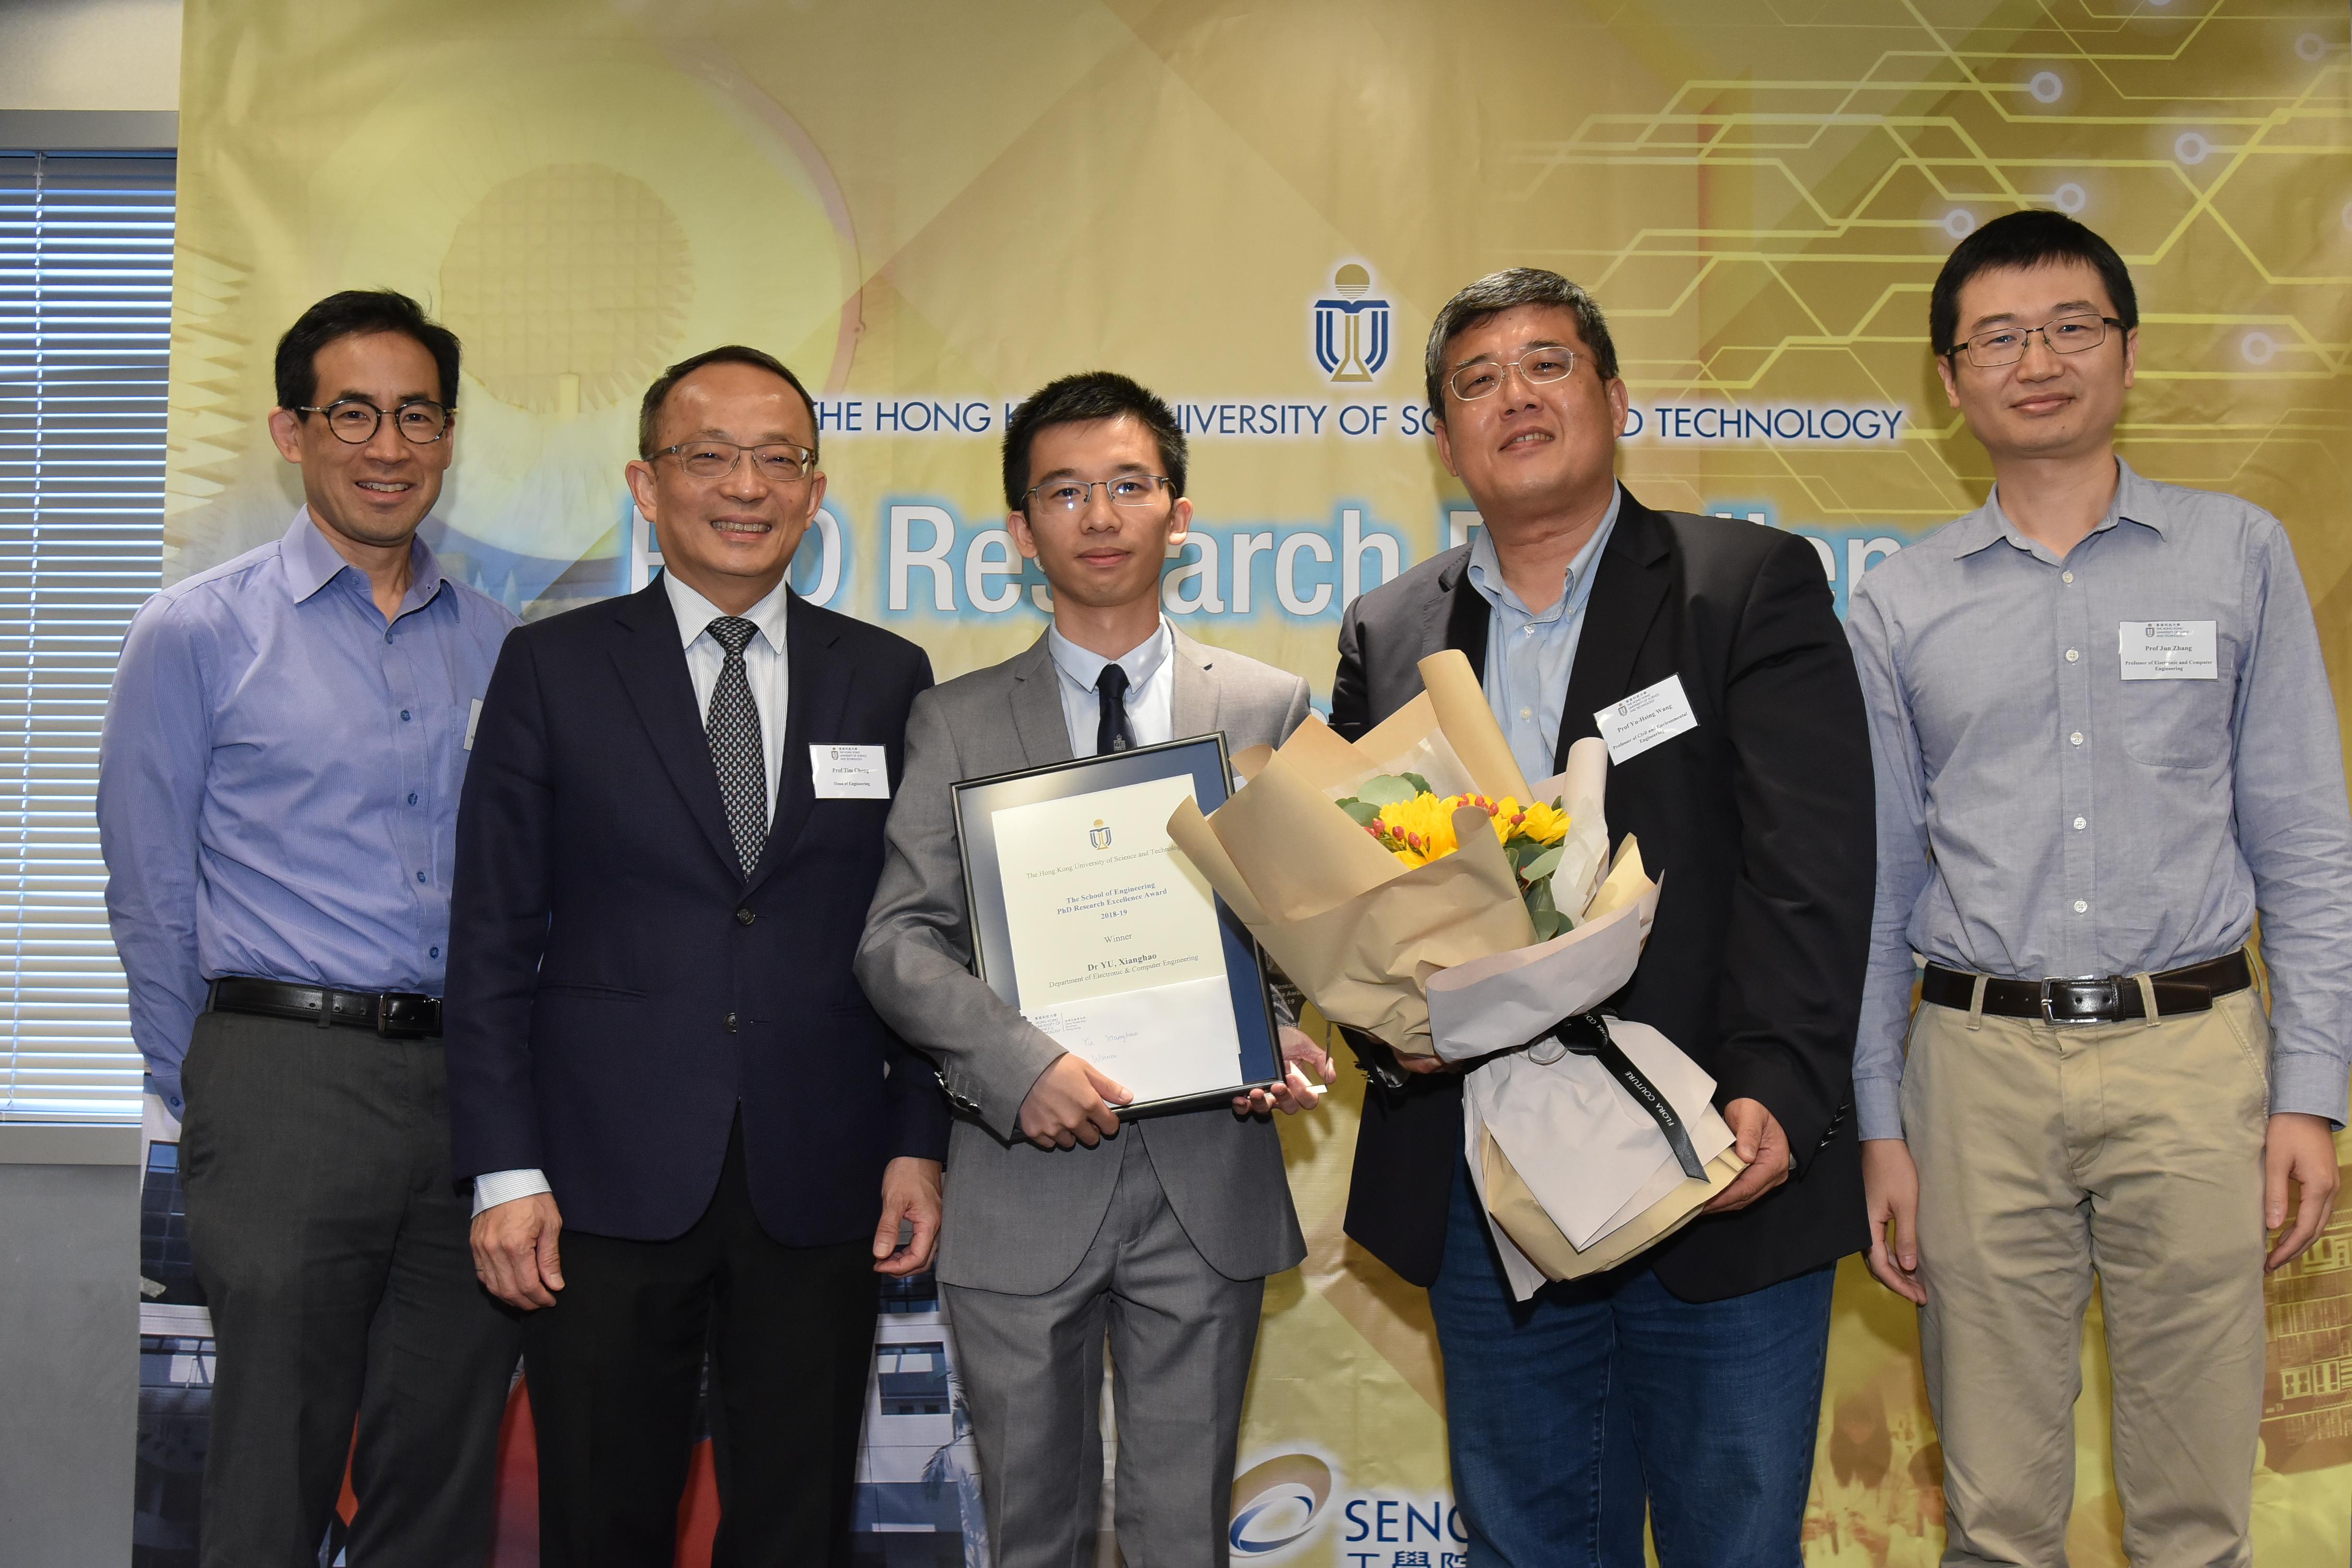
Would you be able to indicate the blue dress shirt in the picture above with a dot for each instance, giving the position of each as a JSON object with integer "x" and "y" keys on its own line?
{"x": 1530, "y": 654}
{"x": 279, "y": 778}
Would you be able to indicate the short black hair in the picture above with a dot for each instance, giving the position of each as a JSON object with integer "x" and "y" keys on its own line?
{"x": 356, "y": 312}
{"x": 2035, "y": 237}
{"x": 1081, "y": 399}
{"x": 649, "y": 411}
{"x": 1508, "y": 290}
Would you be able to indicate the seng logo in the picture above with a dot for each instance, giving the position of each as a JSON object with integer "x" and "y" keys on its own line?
{"x": 1277, "y": 1503}
{"x": 1100, "y": 836}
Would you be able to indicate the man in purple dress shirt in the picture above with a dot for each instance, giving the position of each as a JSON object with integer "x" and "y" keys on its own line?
{"x": 278, "y": 800}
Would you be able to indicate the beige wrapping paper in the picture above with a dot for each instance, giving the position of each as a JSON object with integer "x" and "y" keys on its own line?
{"x": 1513, "y": 1207}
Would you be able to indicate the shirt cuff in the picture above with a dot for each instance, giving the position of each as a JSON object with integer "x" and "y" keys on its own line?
{"x": 2309, "y": 1082}
{"x": 1878, "y": 1107}
{"x": 505, "y": 1186}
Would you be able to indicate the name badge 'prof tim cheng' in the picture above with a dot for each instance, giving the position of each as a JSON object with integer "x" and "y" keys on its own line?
{"x": 2167, "y": 651}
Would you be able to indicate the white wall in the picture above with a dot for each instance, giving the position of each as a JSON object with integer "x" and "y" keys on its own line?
{"x": 113, "y": 55}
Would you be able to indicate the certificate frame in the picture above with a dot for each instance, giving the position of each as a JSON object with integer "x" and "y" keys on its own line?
{"x": 1202, "y": 759}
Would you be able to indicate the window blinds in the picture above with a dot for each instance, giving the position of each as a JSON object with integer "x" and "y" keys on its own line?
{"x": 85, "y": 335}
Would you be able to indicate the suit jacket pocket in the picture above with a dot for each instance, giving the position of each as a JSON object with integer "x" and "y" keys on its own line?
{"x": 590, "y": 991}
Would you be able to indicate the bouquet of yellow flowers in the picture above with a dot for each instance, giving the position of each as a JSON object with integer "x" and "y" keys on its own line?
{"x": 1415, "y": 887}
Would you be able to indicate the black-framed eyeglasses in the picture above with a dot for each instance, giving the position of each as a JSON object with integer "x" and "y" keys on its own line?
{"x": 2061, "y": 334}
{"x": 779, "y": 462}
{"x": 1072, "y": 495}
{"x": 1537, "y": 367}
{"x": 354, "y": 420}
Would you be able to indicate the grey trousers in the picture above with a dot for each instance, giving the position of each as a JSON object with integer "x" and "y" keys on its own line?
{"x": 1181, "y": 1339}
{"x": 333, "y": 1250}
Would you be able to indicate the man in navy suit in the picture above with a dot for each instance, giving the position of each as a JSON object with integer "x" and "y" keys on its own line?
{"x": 671, "y": 829}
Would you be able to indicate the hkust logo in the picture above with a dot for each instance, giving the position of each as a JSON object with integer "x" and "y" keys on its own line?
{"x": 1099, "y": 837}
{"x": 1351, "y": 332}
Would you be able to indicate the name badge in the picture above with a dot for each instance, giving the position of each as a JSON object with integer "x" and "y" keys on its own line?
{"x": 2167, "y": 651}
{"x": 473, "y": 717}
{"x": 850, "y": 773}
{"x": 1651, "y": 715}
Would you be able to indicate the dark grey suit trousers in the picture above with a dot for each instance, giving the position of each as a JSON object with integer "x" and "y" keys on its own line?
{"x": 332, "y": 1249}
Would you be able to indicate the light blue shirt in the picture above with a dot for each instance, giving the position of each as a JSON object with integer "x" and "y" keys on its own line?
{"x": 2039, "y": 815}
{"x": 1150, "y": 688}
{"x": 1530, "y": 654}
{"x": 278, "y": 777}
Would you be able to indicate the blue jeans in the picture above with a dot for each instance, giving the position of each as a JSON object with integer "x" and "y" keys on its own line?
{"x": 1566, "y": 1411}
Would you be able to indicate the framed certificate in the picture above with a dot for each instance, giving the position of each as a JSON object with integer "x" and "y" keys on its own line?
{"x": 1087, "y": 918}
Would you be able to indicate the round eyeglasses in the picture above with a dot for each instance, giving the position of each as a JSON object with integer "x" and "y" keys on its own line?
{"x": 779, "y": 462}
{"x": 1537, "y": 367}
{"x": 1072, "y": 495}
{"x": 354, "y": 420}
{"x": 2061, "y": 334}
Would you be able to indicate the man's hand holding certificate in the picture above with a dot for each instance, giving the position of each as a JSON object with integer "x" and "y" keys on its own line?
{"x": 1109, "y": 942}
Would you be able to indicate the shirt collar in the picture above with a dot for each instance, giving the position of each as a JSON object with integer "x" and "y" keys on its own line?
{"x": 1486, "y": 568}
{"x": 1083, "y": 668}
{"x": 2134, "y": 501}
{"x": 311, "y": 563}
{"x": 696, "y": 613}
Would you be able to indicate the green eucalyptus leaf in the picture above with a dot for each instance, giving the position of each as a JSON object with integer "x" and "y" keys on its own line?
{"x": 1363, "y": 811}
{"x": 1544, "y": 863}
{"x": 1419, "y": 785}
{"x": 1387, "y": 789}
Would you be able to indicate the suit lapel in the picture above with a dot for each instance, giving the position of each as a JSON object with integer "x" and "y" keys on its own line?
{"x": 1636, "y": 572}
{"x": 652, "y": 662}
{"x": 816, "y": 695}
{"x": 1036, "y": 696}
{"x": 1464, "y": 616}
{"x": 1194, "y": 702}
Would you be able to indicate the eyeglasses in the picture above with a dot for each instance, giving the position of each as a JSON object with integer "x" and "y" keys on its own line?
{"x": 355, "y": 420}
{"x": 779, "y": 462}
{"x": 1537, "y": 367}
{"x": 2060, "y": 335}
{"x": 1072, "y": 495}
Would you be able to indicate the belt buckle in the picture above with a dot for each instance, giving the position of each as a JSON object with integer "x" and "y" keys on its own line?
{"x": 2113, "y": 985}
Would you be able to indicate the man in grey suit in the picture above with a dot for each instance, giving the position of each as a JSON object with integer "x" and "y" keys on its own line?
{"x": 1061, "y": 1226}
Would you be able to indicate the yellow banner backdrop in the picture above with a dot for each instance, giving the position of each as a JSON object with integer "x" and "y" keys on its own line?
{"x": 930, "y": 208}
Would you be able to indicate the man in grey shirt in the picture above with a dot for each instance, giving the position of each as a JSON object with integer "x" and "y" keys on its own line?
{"x": 2055, "y": 804}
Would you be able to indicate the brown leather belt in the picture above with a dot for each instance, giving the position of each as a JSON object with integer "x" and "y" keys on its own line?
{"x": 396, "y": 1014}
{"x": 2094, "y": 999}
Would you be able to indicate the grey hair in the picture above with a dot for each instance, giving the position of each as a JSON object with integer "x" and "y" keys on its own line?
{"x": 1507, "y": 290}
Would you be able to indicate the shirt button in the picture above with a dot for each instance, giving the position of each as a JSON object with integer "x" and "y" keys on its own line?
{"x": 2079, "y": 906}
{"x": 1527, "y": 631}
{"x": 432, "y": 953}
{"x": 412, "y": 797}
{"x": 1527, "y": 712}
{"x": 2076, "y": 738}
{"x": 731, "y": 1023}
{"x": 744, "y": 917}
{"x": 2071, "y": 655}
{"x": 420, "y": 875}
{"x": 2080, "y": 823}
{"x": 403, "y": 715}
{"x": 2065, "y": 577}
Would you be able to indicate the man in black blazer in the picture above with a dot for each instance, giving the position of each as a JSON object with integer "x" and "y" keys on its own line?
{"x": 671, "y": 829}
{"x": 1693, "y": 1372}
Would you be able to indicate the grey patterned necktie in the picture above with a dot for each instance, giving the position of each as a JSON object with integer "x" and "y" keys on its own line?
{"x": 734, "y": 728}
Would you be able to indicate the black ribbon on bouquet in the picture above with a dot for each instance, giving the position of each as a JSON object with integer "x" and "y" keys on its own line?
{"x": 1587, "y": 1035}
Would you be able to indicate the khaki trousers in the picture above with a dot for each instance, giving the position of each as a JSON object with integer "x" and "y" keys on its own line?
{"x": 2046, "y": 1153}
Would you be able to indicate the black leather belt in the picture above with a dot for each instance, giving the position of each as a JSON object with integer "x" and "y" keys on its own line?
{"x": 396, "y": 1014}
{"x": 2095, "y": 999}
